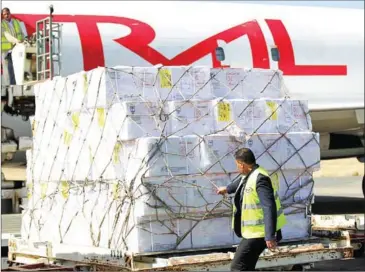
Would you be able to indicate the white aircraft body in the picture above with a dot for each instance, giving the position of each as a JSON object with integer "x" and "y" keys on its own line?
{"x": 321, "y": 49}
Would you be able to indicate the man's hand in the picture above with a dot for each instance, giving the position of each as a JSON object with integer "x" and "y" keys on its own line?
{"x": 271, "y": 245}
{"x": 221, "y": 190}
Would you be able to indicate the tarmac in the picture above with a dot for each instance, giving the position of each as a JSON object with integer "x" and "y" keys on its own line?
{"x": 357, "y": 264}
{"x": 338, "y": 195}
{"x": 336, "y": 192}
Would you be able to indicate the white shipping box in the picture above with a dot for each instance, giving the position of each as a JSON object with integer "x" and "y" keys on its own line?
{"x": 190, "y": 117}
{"x": 164, "y": 157}
{"x": 97, "y": 175}
{"x": 140, "y": 84}
{"x": 298, "y": 226}
{"x": 84, "y": 213}
{"x": 181, "y": 194}
{"x": 81, "y": 214}
{"x": 186, "y": 82}
{"x": 25, "y": 143}
{"x": 132, "y": 120}
{"x": 93, "y": 216}
{"x": 302, "y": 151}
{"x": 76, "y": 90}
{"x": 103, "y": 87}
{"x": 231, "y": 83}
{"x": 109, "y": 86}
{"x": 217, "y": 154}
{"x": 101, "y": 155}
{"x": 161, "y": 196}
{"x": 263, "y": 116}
{"x": 150, "y": 234}
{"x": 203, "y": 197}
{"x": 50, "y": 97}
{"x": 294, "y": 186}
{"x": 212, "y": 232}
{"x": 293, "y": 151}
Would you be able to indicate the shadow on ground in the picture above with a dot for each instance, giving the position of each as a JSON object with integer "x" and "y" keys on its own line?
{"x": 338, "y": 205}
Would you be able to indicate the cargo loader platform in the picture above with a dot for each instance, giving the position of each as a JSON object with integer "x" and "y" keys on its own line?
{"x": 288, "y": 254}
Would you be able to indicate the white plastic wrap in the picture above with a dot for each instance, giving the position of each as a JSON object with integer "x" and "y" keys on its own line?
{"x": 190, "y": 117}
{"x": 287, "y": 152}
{"x": 132, "y": 120}
{"x": 247, "y": 83}
{"x": 130, "y": 157}
{"x": 148, "y": 84}
{"x": 160, "y": 235}
{"x": 25, "y": 143}
{"x": 295, "y": 186}
{"x": 298, "y": 226}
{"x": 264, "y": 115}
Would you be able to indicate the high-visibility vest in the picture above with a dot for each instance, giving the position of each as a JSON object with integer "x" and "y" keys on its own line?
{"x": 252, "y": 214}
{"x": 5, "y": 44}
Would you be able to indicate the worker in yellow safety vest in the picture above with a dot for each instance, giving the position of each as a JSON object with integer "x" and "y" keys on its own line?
{"x": 257, "y": 213}
{"x": 10, "y": 26}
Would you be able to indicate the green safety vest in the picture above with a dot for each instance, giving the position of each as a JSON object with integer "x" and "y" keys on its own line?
{"x": 5, "y": 44}
{"x": 252, "y": 214}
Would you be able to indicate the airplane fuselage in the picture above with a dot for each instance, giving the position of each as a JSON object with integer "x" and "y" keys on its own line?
{"x": 320, "y": 49}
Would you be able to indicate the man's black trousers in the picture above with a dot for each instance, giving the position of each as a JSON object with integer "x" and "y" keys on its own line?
{"x": 247, "y": 254}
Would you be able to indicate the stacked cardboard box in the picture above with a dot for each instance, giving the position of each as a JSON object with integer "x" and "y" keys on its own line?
{"x": 129, "y": 158}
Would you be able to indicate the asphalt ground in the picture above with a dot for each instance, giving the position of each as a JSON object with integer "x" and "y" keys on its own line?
{"x": 338, "y": 195}
{"x": 357, "y": 264}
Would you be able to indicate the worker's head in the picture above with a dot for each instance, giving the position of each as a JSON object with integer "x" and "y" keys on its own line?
{"x": 5, "y": 12}
{"x": 245, "y": 160}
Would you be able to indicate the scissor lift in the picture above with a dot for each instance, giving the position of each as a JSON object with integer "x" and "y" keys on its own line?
{"x": 46, "y": 44}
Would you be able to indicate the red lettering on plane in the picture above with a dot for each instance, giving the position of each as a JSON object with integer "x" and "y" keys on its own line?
{"x": 142, "y": 35}
{"x": 287, "y": 60}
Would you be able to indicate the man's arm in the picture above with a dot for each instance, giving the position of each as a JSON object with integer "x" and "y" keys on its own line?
{"x": 10, "y": 38}
{"x": 265, "y": 192}
{"x": 232, "y": 188}
{"x": 24, "y": 29}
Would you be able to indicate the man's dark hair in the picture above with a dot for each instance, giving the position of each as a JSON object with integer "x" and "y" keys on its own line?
{"x": 245, "y": 155}
{"x": 5, "y": 9}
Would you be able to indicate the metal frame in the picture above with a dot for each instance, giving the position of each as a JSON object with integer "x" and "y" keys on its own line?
{"x": 48, "y": 36}
{"x": 297, "y": 253}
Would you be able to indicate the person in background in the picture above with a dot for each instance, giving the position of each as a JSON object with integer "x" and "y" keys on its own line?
{"x": 257, "y": 213}
{"x": 11, "y": 26}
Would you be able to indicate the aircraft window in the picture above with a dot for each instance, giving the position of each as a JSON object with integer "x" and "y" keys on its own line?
{"x": 219, "y": 54}
{"x": 275, "y": 54}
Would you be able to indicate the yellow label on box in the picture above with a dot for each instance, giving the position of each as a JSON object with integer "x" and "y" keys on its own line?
{"x": 64, "y": 189}
{"x": 67, "y": 138}
{"x": 116, "y": 152}
{"x": 75, "y": 120}
{"x": 101, "y": 117}
{"x": 44, "y": 187}
{"x": 273, "y": 110}
{"x": 86, "y": 84}
{"x": 116, "y": 190}
{"x": 224, "y": 112}
{"x": 29, "y": 190}
{"x": 33, "y": 127}
{"x": 165, "y": 78}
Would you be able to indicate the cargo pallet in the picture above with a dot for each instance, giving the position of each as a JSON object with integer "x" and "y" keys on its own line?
{"x": 334, "y": 237}
{"x": 288, "y": 256}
